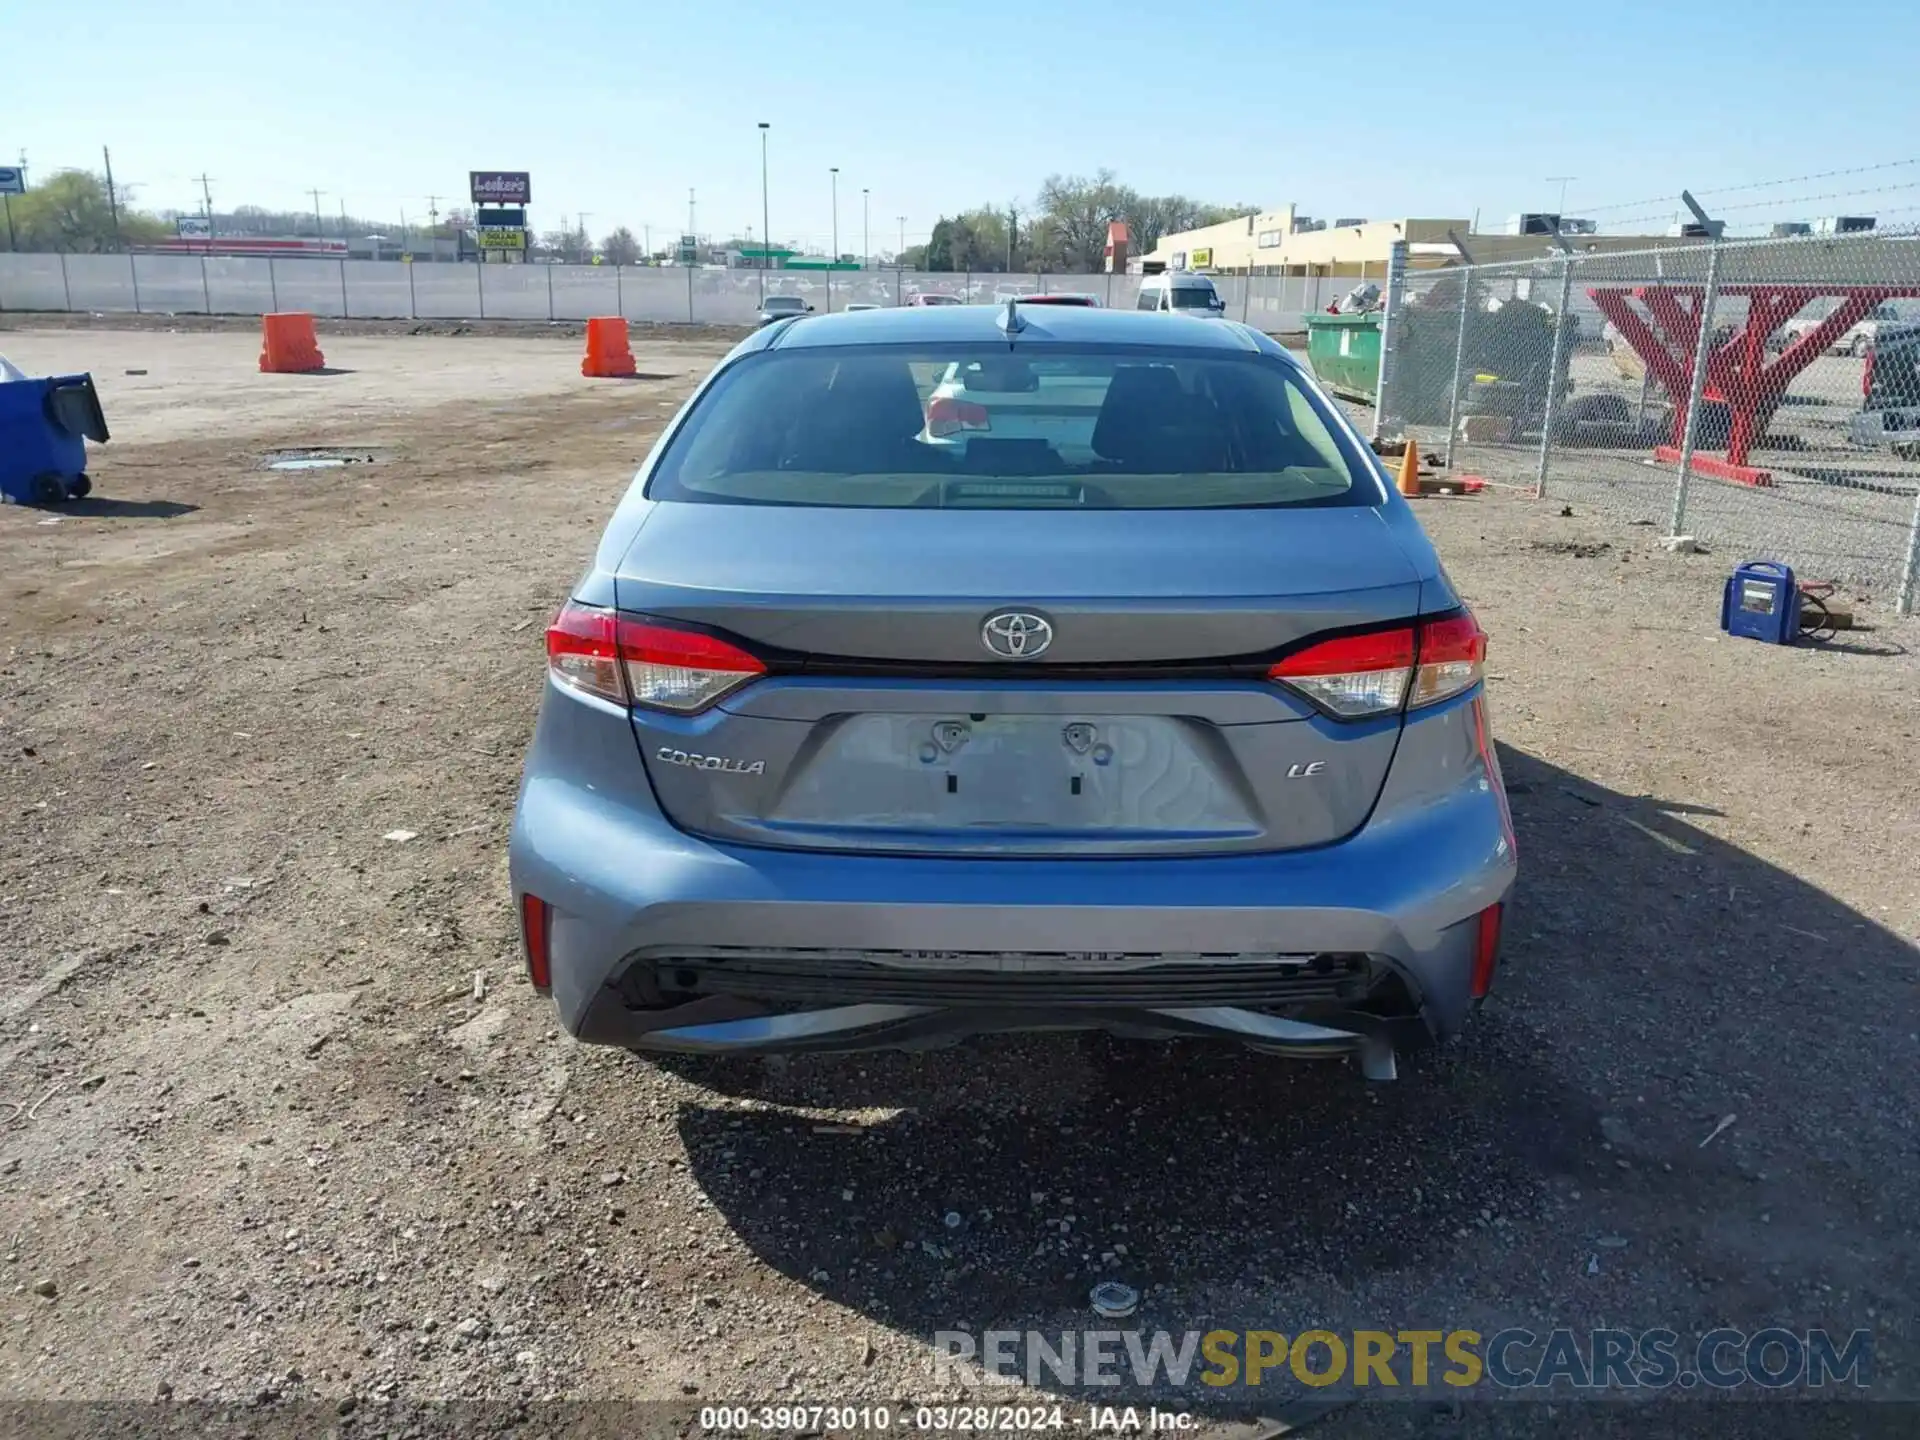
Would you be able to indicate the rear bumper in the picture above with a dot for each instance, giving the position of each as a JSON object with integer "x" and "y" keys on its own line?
{"x": 630, "y": 893}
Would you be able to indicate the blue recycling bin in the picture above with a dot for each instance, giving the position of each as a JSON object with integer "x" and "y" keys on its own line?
{"x": 44, "y": 428}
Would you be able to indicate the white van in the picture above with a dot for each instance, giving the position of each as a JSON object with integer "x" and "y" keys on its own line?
{"x": 1181, "y": 291}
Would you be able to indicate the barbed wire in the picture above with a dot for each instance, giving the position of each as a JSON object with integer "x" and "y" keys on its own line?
{"x": 1755, "y": 185}
{"x": 1777, "y": 202}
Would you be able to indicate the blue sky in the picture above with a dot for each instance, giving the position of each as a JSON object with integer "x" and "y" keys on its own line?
{"x": 1365, "y": 108}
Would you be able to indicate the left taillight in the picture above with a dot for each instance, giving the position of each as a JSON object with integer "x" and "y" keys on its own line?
{"x": 634, "y": 661}
{"x": 1377, "y": 672}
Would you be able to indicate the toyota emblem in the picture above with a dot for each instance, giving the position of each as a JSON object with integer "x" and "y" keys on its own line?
{"x": 1016, "y": 634}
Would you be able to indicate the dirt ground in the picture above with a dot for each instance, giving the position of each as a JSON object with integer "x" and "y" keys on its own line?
{"x": 286, "y": 1137}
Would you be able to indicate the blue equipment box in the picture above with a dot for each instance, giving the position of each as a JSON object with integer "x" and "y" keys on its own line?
{"x": 44, "y": 428}
{"x": 1762, "y": 602}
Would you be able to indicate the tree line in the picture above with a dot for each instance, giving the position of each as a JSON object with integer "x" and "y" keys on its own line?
{"x": 1064, "y": 230}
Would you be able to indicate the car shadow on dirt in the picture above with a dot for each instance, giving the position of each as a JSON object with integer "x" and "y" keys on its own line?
{"x": 100, "y": 507}
{"x": 1652, "y": 981}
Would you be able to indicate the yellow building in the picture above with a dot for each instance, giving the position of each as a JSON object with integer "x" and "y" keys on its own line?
{"x": 1270, "y": 244}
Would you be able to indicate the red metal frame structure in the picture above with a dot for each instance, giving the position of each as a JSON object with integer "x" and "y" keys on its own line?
{"x": 1739, "y": 373}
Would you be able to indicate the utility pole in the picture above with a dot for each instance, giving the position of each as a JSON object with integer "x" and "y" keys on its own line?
{"x": 1562, "y": 181}
{"x": 866, "y": 231}
{"x": 586, "y": 245}
{"x": 690, "y": 230}
{"x": 897, "y": 260}
{"x": 403, "y": 230}
{"x": 319, "y": 229}
{"x": 113, "y": 198}
{"x": 766, "y": 222}
{"x": 343, "y": 217}
{"x": 1013, "y": 224}
{"x": 6, "y": 203}
{"x": 834, "y": 172}
{"x": 206, "y": 194}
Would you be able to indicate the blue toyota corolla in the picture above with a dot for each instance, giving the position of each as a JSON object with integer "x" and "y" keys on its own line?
{"x": 979, "y": 669}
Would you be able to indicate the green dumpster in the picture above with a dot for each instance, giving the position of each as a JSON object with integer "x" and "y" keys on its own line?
{"x": 1344, "y": 351}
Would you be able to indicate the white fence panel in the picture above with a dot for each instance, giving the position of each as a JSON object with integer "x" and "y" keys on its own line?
{"x": 238, "y": 286}
{"x": 171, "y": 284}
{"x": 313, "y": 285}
{"x": 31, "y": 282}
{"x": 446, "y": 292}
{"x": 582, "y": 291}
{"x": 661, "y": 296}
{"x": 379, "y": 290}
{"x": 515, "y": 292}
{"x": 96, "y": 282}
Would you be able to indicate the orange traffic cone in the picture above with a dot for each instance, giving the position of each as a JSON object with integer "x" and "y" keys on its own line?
{"x": 608, "y": 354}
{"x": 1410, "y": 470}
{"x": 288, "y": 345}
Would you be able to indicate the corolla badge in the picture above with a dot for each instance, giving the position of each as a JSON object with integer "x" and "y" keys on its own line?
{"x": 724, "y": 763}
{"x": 1016, "y": 634}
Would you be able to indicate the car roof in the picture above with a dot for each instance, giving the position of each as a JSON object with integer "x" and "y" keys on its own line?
{"x": 1178, "y": 279}
{"x": 980, "y": 324}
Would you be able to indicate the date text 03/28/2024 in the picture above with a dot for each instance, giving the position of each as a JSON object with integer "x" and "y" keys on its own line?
{"x": 934, "y": 1419}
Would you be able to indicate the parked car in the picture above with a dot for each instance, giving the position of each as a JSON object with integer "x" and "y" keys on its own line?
{"x": 934, "y": 297}
{"x": 1180, "y": 291}
{"x": 852, "y": 741}
{"x": 1890, "y": 403}
{"x": 781, "y": 307}
{"x": 1061, "y": 297}
{"x": 1047, "y": 403}
{"x": 1856, "y": 339}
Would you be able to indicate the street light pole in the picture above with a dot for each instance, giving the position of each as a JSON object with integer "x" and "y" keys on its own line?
{"x": 866, "y": 231}
{"x": 834, "y": 172}
{"x": 1562, "y": 181}
{"x": 766, "y": 224}
{"x": 903, "y": 243}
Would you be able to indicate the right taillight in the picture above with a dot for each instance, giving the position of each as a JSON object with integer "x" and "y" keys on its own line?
{"x": 948, "y": 416}
{"x": 1453, "y": 655}
{"x": 633, "y": 661}
{"x": 1378, "y": 672}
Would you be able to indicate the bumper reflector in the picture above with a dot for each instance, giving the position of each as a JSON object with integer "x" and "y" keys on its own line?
{"x": 1486, "y": 950}
{"x": 536, "y": 931}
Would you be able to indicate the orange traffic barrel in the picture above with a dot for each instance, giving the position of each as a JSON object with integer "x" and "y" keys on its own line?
{"x": 608, "y": 354}
{"x": 288, "y": 345}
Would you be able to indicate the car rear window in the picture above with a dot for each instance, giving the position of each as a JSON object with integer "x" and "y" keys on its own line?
{"x": 897, "y": 427}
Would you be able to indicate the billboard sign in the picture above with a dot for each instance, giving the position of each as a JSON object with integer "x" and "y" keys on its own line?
{"x": 500, "y": 187}
{"x": 499, "y": 219}
{"x": 194, "y": 227}
{"x": 13, "y": 181}
{"x": 502, "y": 239}
{"x": 1202, "y": 259}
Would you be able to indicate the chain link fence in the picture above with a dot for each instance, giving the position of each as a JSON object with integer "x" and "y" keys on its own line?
{"x": 1792, "y": 435}
{"x": 394, "y": 290}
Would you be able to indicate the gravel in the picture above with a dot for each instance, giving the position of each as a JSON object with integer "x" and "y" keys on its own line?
{"x": 321, "y": 1114}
